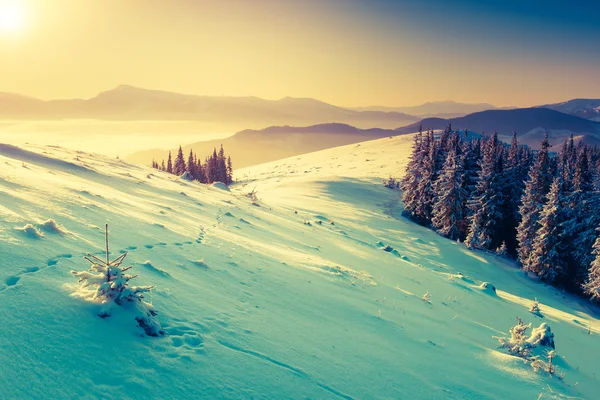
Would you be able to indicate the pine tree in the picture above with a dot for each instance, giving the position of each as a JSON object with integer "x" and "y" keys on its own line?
{"x": 534, "y": 198}
{"x": 502, "y": 251}
{"x": 201, "y": 171}
{"x": 229, "y": 171}
{"x": 472, "y": 155}
{"x": 169, "y": 164}
{"x": 162, "y": 166}
{"x": 412, "y": 177}
{"x": 107, "y": 283}
{"x": 487, "y": 200}
{"x": 222, "y": 166}
{"x": 567, "y": 162}
{"x": 179, "y": 167}
{"x": 581, "y": 221}
{"x": 191, "y": 166}
{"x": 213, "y": 167}
{"x": 592, "y": 286}
{"x": 512, "y": 190}
{"x": 546, "y": 259}
{"x": 425, "y": 196}
{"x": 451, "y": 196}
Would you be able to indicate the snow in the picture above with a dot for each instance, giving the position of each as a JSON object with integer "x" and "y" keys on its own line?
{"x": 254, "y": 302}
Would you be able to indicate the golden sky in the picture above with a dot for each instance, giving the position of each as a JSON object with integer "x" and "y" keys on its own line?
{"x": 345, "y": 52}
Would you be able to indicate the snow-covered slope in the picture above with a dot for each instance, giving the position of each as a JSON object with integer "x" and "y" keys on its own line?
{"x": 290, "y": 298}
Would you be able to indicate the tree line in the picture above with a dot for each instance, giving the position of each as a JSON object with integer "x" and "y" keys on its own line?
{"x": 536, "y": 206}
{"x": 215, "y": 168}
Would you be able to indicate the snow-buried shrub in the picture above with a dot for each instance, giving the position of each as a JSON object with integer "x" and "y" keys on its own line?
{"x": 107, "y": 283}
{"x": 31, "y": 231}
{"x": 531, "y": 347}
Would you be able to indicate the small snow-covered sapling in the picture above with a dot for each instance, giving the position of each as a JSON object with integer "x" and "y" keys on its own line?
{"x": 426, "y": 297}
{"x": 535, "y": 308}
{"x": 110, "y": 288}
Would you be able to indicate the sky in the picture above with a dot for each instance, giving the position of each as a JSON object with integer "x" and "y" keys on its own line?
{"x": 345, "y": 52}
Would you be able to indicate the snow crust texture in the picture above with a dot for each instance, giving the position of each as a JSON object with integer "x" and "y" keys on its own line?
{"x": 317, "y": 292}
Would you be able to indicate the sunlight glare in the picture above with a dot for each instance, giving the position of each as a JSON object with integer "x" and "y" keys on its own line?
{"x": 11, "y": 16}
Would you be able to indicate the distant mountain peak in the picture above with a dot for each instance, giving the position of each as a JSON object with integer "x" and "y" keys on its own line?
{"x": 124, "y": 87}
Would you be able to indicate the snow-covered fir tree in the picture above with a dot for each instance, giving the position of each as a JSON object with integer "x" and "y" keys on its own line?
{"x": 412, "y": 177}
{"x": 169, "y": 164}
{"x": 191, "y": 166}
{"x": 499, "y": 179}
{"x": 546, "y": 259}
{"x": 229, "y": 171}
{"x": 502, "y": 251}
{"x": 451, "y": 196}
{"x": 487, "y": 200}
{"x": 429, "y": 173}
{"x": 107, "y": 283}
{"x": 534, "y": 198}
{"x": 513, "y": 184}
{"x": 216, "y": 168}
{"x": 179, "y": 167}
{"x": 591, "y": 286}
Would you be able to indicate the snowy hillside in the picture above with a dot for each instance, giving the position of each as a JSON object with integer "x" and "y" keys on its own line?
{"x": 291, "y": 297}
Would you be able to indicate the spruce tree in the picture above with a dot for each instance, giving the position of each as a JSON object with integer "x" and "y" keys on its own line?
{"x": 591, "y": 287}
{"x": 212, "y": 171}
{"x": 425, "y": 196}
{"x": 472, "y": 156}
{"x": 179, "y": 167}
{"x": 412, "y": 177}
{"x": 169, "y": 164}
{"x": 229, "y": 171}
{"x": 191, "y": 166}
{"x": 222, "y": 166}
{"x": 486, "y": 202}
{"x": 201, "y": 171}
{"x": 451, "y": 196}
{"x": 581, "y": 221}
{"x": 534, "y": 198}
{"x": 512, "y": 190}
{"x": 546, "y": 259}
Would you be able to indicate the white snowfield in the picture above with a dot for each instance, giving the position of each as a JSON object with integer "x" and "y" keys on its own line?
{"x": 292, "y": 298}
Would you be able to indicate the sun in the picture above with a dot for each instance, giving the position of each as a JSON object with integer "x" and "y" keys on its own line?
{"x": 11, "y": 17}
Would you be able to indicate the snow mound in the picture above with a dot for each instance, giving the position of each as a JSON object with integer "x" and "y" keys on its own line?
{"x": 151, "y": 267}
{"x": 200, "y": 263}
{"x": 50, "y": 226}
{"x": 542, "y": 336}
{"x": 487, "y": 287}
{"x": 220, "y": 185}
{"x": 31, "y": 231}
{"x": 186, "y": 176}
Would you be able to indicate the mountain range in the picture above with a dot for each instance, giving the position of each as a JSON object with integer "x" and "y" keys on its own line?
{"x": 530, "y": 124}
{"x": 251, "y": 147}
{"x": 131, "y": 103}
{"x": 441, "y": 109}
{"x": 300, "y": 125}
{"x": 584, "y": 108}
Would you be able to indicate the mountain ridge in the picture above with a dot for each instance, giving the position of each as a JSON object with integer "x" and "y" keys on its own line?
{"x": 126, "y": 102}
{"x": 255, "y": 146}
{"x": 529, "y": 123}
